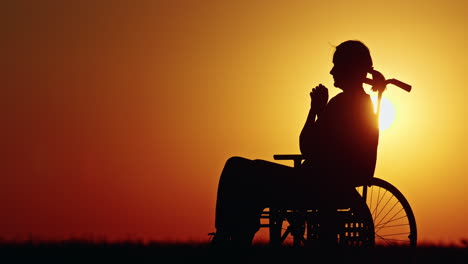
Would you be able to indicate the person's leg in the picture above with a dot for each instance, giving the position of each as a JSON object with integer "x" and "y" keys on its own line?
{"x": 301, "y": 188}
{"x": 245, "y": 188}
{"x": 269, "y": 184}
{"x": 235, "y": 181}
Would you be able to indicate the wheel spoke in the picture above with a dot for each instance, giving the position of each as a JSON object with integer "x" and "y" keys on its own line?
{"x": 395, "y": 234}
{"x": 382, "y": 209}
{"x": 390, "y": 221}
{"x": 390, "y": 226}
{"x": 390, "y": 240}
{"x": 383, "y": 218}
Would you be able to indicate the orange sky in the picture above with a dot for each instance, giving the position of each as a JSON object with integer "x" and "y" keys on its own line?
{"x": 117, "y": 117}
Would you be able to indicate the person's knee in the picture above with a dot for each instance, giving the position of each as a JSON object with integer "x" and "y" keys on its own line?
{"x": 236, "y": 161}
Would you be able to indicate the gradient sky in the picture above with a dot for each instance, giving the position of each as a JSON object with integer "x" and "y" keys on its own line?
{"x": 117, "y": 116}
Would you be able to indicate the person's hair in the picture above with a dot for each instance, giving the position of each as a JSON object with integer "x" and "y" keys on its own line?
{"x": 353, "y": 53}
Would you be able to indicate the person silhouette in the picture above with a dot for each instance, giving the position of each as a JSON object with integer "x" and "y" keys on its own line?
{"x": 338, "y": 142}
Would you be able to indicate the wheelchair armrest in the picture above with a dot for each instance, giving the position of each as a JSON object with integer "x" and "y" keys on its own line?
{"x": 288, "y": 156}
{"x": 297, "y": 158}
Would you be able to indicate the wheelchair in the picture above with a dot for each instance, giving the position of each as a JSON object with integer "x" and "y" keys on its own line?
{"x": 380, "y": 216}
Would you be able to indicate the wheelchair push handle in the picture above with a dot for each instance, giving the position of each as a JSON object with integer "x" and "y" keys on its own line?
{"x": 395, "y": 82}
{"x": 379, "y": 82}
{"x": 400, "y": 84}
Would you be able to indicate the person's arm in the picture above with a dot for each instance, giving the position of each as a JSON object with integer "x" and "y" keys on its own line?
{"x": 307, "y": 133}
{"x": 319, "y": 99}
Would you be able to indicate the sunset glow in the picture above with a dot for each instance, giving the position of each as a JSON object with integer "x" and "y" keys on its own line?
{"x": 387, "y": 112}
{"x": 118, "y": 116}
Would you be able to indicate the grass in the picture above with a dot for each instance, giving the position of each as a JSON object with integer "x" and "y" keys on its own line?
{"x": 75, "y": 251}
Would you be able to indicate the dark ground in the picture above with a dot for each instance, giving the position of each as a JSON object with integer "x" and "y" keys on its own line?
{"x": 84, "y": 252}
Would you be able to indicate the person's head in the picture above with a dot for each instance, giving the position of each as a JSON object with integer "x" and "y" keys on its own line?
{"x": 352, "y": 62}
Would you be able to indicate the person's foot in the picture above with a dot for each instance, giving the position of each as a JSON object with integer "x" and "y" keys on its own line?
{"x": 242, "y": 240}
{"x": 221, "y": 239}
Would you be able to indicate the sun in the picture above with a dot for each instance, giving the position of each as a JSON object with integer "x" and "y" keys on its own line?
{"x": 387, "y": 112}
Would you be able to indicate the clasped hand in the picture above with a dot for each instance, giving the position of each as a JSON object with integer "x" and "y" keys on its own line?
{"x": 319, "y": 98}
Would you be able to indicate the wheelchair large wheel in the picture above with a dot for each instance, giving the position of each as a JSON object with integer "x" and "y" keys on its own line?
{"x": 394, "y": 221}
{"x": 388, "y": 220}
